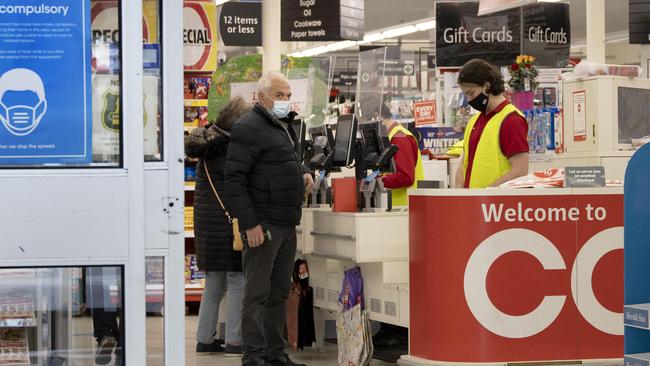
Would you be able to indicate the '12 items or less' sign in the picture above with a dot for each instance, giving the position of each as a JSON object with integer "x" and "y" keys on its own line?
{"x": 424, "y": 112}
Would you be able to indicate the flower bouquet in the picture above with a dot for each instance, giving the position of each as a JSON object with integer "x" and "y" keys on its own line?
{"x": 523, "y": 73}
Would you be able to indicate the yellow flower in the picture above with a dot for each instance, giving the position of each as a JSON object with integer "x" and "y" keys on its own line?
{"x": 519, "y": 59}
{"x": 532, "y": 59}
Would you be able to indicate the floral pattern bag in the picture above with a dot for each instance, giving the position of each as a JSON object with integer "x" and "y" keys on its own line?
{"x": 353, "y": 337}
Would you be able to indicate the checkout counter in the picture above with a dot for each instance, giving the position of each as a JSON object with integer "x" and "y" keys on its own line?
{"x": 375, "y": 240}
{"x": 529, "y": 275}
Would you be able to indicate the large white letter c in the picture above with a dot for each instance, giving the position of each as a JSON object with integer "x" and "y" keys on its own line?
{"x": 476, "y": 294}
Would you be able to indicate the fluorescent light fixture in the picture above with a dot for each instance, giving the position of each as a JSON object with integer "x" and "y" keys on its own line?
{"x": 548, "y": 1}
{"x": 220, "y": 2}
{"x": 426, "y": 25}
{"x": 397, "y": 32}
{"x": 341, "y": 45}
{"x": 314, "y": 51}
{"x": 372, "y": 37}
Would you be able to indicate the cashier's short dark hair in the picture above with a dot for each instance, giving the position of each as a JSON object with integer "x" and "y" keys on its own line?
{"x": 479, "y": 72}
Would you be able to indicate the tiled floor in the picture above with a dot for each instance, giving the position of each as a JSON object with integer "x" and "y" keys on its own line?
{"x": 311, "y": 357}
{"x": 83, "y": 343}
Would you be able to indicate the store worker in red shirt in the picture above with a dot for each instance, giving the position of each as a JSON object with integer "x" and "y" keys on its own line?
{"x": 408, "y": 161}
{"x": 495, "y": 147}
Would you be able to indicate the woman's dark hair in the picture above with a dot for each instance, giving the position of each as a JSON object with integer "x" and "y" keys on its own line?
{"x": 231, "y": 112}
{"x": 296, "y": 269}
{"x": 479, "y": 72}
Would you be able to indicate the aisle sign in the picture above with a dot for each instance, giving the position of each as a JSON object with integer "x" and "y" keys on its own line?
{"x": 424, "y": 112}
{"x": 240, "y": 24}
{"x": 639, "y": 21}
{"x": 580, "y": 115}
{"x": 547, "y": 33}
{"x": 199, "y": 36}
{"x": 322, "y": 20}
{"x": 344, "y": 78}
{"x": 45, "y": 82}
{"x": 463, "y": 35}
{"x": 431, "y": 61}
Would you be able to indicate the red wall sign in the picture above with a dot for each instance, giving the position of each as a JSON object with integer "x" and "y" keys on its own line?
{"x": 516, "y": 278}
{"x": 424, "y": 112}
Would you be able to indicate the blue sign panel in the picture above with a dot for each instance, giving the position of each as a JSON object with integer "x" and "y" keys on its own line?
{"x": 45, "y": 109}
{"x": 636, "y": 317}
{"x": 637, "y": 245}
{"x": 438, "y": 139}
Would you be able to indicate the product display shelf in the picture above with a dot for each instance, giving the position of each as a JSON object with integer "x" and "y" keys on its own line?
{"x": 637, "y": 260}
{"x": 27, "y": 315}
{"x": 193, "y": 291}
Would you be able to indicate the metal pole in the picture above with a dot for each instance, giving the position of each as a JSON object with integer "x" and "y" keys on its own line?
{"x": 271, "y": 55}
{"x": 596, "y": 31}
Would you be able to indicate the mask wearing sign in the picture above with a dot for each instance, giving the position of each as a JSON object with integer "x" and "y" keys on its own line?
{"x": 22, "y": 101}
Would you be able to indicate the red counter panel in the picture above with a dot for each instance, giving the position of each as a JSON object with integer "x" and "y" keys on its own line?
{"x": 495, "y": 278}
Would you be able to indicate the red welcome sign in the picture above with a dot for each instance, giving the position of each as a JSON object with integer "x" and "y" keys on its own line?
{"x": 516, "y": 278}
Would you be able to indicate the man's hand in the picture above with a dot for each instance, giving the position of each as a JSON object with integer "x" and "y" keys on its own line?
{"x": 255, "y": 236}
{"x": 309, "y": 182}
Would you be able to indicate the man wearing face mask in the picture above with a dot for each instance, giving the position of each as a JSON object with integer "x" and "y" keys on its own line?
{"x": 495, "y": 147}
{"x": 265, "y": 185}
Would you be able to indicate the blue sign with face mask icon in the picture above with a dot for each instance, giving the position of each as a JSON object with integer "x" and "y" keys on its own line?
{"x": 45, "y": 83}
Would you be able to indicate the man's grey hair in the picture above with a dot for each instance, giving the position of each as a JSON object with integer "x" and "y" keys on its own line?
{"x": 264, "y": 84}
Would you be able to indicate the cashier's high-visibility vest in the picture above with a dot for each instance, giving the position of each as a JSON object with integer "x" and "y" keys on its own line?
{"x": 400, "y": 197}
{"x": 489, "y": 162}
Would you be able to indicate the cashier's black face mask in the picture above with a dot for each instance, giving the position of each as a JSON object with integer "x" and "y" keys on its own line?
{"x": 480, "y": 102}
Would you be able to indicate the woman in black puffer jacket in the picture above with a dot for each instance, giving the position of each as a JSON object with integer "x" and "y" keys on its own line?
{"x": 213, "y": 234}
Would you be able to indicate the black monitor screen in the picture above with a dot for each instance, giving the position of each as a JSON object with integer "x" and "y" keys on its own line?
{"x": 370, "y": 134}
{"x": 346, "y": 134}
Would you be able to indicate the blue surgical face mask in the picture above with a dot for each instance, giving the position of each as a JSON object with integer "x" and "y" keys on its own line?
{"x": 281, "y": 108}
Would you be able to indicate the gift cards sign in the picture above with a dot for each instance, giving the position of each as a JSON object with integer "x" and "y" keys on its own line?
{"x": 540, "y": 30}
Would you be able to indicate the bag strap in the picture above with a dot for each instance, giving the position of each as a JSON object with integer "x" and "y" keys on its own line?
{"x": 205, "y": 167}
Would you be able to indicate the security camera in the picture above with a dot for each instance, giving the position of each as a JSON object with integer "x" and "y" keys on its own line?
{"x": 221, "y": 57}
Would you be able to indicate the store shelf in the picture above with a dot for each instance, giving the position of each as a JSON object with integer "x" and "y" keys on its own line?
{"x": 193, "y": 292}
{"x": 637, "y": 359}
{"x": 18, "y": 323}
{"x": 189, "y": 187}
{"x": 637, "y": 316}
{"x": 189, "y": 234}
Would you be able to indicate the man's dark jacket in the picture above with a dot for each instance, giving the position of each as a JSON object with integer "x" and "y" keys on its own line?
{"x": 264, "y": 183}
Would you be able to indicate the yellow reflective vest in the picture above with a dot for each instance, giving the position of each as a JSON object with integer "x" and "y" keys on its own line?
{"x": 489, "y": 162}
{"x": 400, "y": 197}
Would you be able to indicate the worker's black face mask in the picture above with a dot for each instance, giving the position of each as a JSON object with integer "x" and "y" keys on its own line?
{"x": 480, "y": 102}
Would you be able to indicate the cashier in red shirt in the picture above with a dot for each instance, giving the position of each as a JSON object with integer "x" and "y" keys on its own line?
{"x": 408, "y": 161}
{"x": 495, "y": 147}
